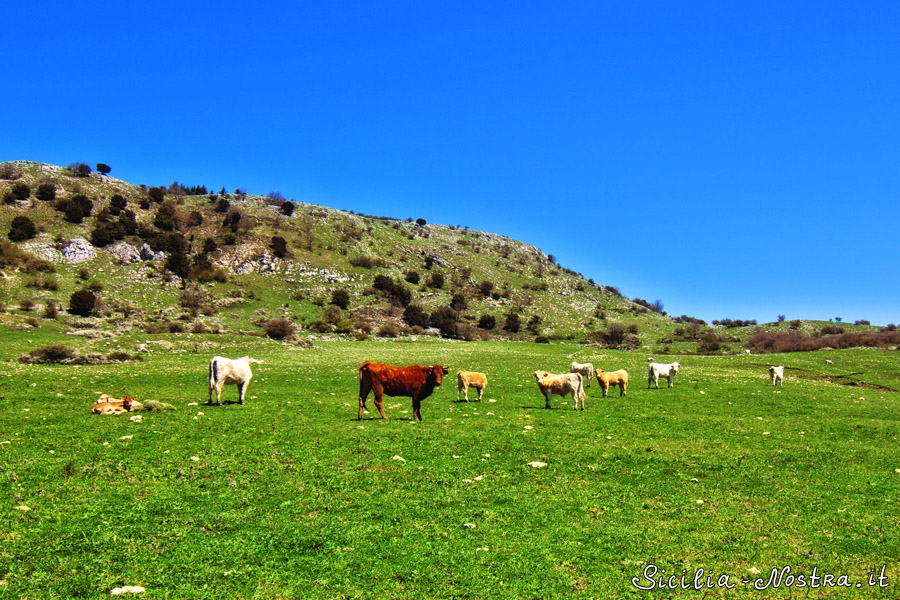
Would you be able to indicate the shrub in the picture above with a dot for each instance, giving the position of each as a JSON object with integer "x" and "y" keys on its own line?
{"x": 22, "y": 228}
{"x": 436, "y": 281}
{"x": 56, "y": 353}
{"x": 20, "y": 190}
{"x": 156, "y": 194}
{"x": 51, "y": 311}
{"x": 287, "y": 208}
{"x": 80, "y": 169}
{"x": 341, "y": 298}
{"x": 103, "y": 168}
{"x": 8, "y": 172}
{"x": 279, "y": 329}
{"x": 830, "y": 330}
{"x": 389, "y": 330}
{"x": 105, "y": 234}
{"x": 412, "y": 277}
{"x": 487, "y": 322}
{"x": 415, "y": 315}
{"x": 512, "y": 323}
{"x": 709, "y": 342}
{"x": 795, "y": 324}
{"x": 365, "y": 262}
{"x": 541, "y": 339}
{"x": 333, "y": 314}
{"x": 863, "y": 322}
{"x": 82, "y": 303}
{"x": 117, "y": 204}
{"x": 167, "y": 216}
{"x": 458, "y": 302}
{"x": 279, "y": 246}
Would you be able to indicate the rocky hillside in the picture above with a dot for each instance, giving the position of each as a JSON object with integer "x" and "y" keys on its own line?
{"x": 172, "y": 258}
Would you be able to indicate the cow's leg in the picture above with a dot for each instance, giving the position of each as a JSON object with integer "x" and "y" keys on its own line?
{"x": 547, "y": 395}
{"x": 480, "y": 393}
{"x": 378, "y": 389}
{"x": 219, "y": 394}
{"x": 417, "y": 405}
{"x": 241, "y": 387}
{"x": 364, "y": 388}
{"x": 466, "y": 390}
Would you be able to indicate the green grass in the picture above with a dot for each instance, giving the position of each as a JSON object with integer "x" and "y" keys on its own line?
{"x": 292, "y": 497}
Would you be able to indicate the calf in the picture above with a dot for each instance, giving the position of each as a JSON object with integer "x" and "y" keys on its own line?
{"x": 568, "y": 383}
{"x": 112, "y": 406}
{"x": 613, "y": 378}
{"x": 467, "y": 379}
{"x": 225, "y": 371}
{"x": 776, "y": 374}
{"x": 657, "y": 369}
{"x": 585, "y": 369}
{"x": 415, "y": 382}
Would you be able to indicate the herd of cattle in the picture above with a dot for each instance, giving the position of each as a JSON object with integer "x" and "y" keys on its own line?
{"x": 418, "y": 382}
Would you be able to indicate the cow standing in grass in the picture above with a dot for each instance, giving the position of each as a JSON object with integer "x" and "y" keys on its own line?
{"x": 561, "y": 385}
{"x": 467, "y": 379}
{"x": 667, "y": 370}
{"x": 415, "y": 382}
{"x": 225, "y": 371}
{"x": 776, "y": 374}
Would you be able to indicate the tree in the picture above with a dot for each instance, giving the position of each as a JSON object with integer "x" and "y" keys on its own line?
{"x": 21, "y": 229}
{"x": 156, "y": 194}
{"x": 421, "y": 222}
{"x": 487, "y": 322}
{"x": 458, "y": 302}
{"x": 287, "y": 208}
{"x": 103, "y": 168}
{"x": 415, "y": 315}
{"x": 80, "y": 169}
{"x": 512, "y": 324}
{"x": 82, "y": 303}
{"x": 167, "y": 216}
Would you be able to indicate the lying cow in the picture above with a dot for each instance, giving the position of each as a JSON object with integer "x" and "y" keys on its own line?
{"x": 613, "y": 378}
{"x": 467, "y": 379}
{"x": 561, "y": 385}
{"x": 111, "y": 406}
{"x": 585, "y": 369}
{"x": 776, "y": 374}
{"x": 415, "y": 382}
{"x": 657, "y": 369}
{"x": 226, "y": 371}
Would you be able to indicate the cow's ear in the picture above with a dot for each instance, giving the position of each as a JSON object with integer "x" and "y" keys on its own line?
{"x": 446, "y": 372}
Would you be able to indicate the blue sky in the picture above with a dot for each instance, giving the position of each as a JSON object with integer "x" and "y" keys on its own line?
{"x": 732, "y": 159}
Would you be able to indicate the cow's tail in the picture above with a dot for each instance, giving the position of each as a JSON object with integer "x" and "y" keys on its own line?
{"x": 581, "y": 394}
{"x": 363, "y": 368}
{"x": 213, "y": 373}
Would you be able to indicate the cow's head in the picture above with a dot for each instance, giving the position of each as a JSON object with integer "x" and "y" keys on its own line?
{"x": 437, "y": 372}
{"x": 127, "y": 402}
{"x": 538, "y": 375}
{"x": 674, "y": 368}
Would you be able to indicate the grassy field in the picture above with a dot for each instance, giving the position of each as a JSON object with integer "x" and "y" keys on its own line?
{"x": 289, "y": 496}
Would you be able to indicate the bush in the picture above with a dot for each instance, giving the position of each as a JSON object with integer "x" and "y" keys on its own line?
{"x": 22, "y": 228}
{"x": 287, "y": 208}
{"x": 82, "y": 303}
{"x": 415, "y": 315}
{"x": 333, "y": 314}
{"x": 362, "y": 261}
{"x": 279, "y": 329}
{"x": 156, "y": 194}
{"x": 20, "y": 190}
{"x": 56, "y": 353}
{"x": 487, "y": 322}
{"x": 166, "y": 217}
{"x": 117, "y": 204}
{"x": 80, "y": 169}
{"x": 512, "y": 323}
{"x": 458, "y": 302}
{"x": 436, "y": 281}
{"x": 709, "y": 342}
{"x": 279, "y": 246}
{"x": 105, "y": 234}
{"x": 341, "y": 298}
{"x": 389, "y": 330}
{"x": 8, "y": 172}
{"x": 412, "y": 277}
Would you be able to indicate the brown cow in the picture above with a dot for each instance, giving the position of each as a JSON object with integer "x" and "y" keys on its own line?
{"x": 112, "y": 406}
{"x": 416, "y": 382}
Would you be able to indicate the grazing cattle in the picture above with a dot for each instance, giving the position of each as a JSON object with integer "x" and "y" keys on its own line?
{"x": 776, "y": 374}
{"x": 567, "y": 383}
{"x": 467, "y": 379}
{"x": 226, "y": 371}
{"x": 613, "y": 378}
{"x": 111, "y": 406}
{"x": 415, "y": 382}
{"x": 586, "y": 370}
{"x": 657, "y": 369}
{"x": 828, "y": 361}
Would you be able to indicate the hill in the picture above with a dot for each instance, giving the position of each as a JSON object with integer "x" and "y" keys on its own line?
{"x": 176, "y": 258}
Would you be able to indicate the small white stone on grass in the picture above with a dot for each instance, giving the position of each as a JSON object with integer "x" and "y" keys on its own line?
{"x": 23, "y": 508}
{"x": 136, "y": 418}
{"x": 192, "y": 404}
{"x": 127, "y": 589}
{"x": 194, "y": 458}
{"x": 536, "y": 464}
{"x": 700, "y": 502}
{"x": 528, "y": 427}
{"x": 398, "y": 457}
{"x": 469, "y": 525}
{"x": 125, "y": 437}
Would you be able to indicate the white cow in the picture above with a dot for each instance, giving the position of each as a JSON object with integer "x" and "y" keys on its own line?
{"x": 561, "y": 385}
{"x": 228, "y": 371}
{"x": 657, "y": 369}
{"x": 586, "y": 370}
{"x": 776, "y": 374}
